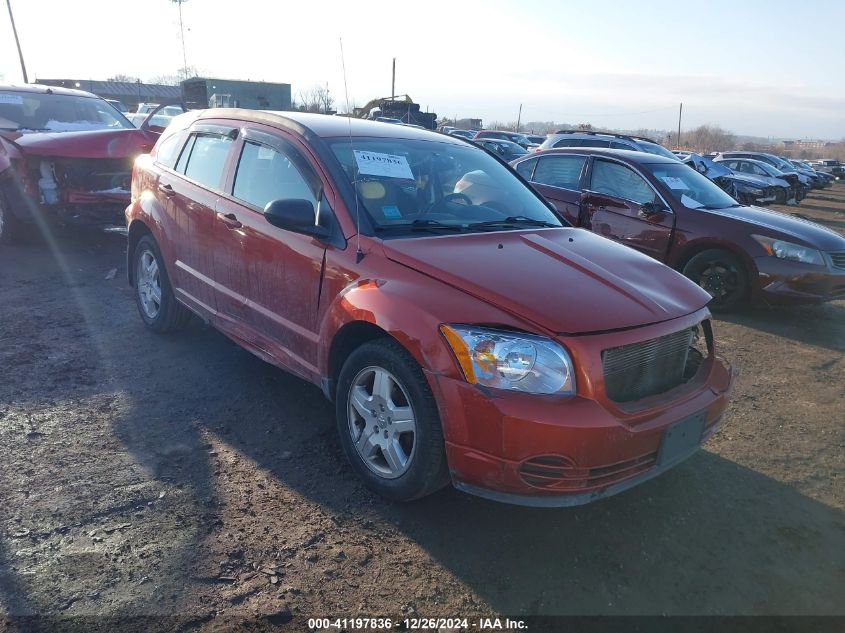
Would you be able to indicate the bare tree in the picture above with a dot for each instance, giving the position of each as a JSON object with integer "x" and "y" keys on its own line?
{"x": 587, "y": 127}
{"x": 708, "y": 138}
{"x": 124, "y": 78}
{"x": 316, "y": 99}
{"x": 177, "y": 78}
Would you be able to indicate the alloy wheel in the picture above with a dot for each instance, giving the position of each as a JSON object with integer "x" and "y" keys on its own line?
{"x": 720, "y": 280}
{"x": 382, "y": 423}
{"x": 149, "y": 284}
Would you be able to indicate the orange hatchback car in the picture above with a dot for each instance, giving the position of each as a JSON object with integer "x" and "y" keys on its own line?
{"x": 464, "y": 330}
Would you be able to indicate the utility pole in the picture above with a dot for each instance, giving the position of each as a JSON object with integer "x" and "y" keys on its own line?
{"x": 393, "y": 82}
{"x": 17, "y": 41}
{"x": 680, "y": 114}
{"x": 519, "y": 117}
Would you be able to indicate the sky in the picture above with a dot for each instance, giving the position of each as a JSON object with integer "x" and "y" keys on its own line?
{"x": 770, "y": 68}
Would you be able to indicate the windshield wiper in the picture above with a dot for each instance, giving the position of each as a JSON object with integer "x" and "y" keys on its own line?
{"x": 513, "y": 220}
{"x": 421, "y": 225}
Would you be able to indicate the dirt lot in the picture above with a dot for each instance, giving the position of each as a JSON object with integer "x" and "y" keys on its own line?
{"x": 180, "y": 475}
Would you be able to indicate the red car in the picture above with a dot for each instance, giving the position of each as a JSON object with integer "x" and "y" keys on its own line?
{"x": 671, "y": 212}
{"x": 463, "y": 330}
{"x": 64, "y": 153}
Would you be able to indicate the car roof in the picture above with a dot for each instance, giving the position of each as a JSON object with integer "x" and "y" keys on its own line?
{"x": 46, "y": 90}
{"x": 328, "y": 126}
{"x": 627, "y": 154}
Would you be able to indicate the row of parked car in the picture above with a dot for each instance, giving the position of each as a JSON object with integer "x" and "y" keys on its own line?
{"x": 536, "y": 333}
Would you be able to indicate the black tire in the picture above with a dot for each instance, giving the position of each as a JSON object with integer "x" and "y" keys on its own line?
{"x": 721, "y": 274}
{"x": 171, "y": 315}
{"x": 427, "y": 470}
{"x": 780, "y": 195}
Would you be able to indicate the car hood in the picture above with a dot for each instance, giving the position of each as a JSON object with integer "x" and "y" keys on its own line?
{"x": 565, "y": 280}
{"x": 790, "y": 227}
{"x": 85, "y": 144}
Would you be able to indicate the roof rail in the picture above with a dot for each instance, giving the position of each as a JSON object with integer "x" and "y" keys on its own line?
{"x": 629, "y": 137}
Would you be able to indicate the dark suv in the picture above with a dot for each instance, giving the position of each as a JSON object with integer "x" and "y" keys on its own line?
{"x": 675, "y": 214}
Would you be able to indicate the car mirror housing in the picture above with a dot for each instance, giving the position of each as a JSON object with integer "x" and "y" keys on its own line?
{"x": 296, "y": 215}
{"x": 653, "y": 208}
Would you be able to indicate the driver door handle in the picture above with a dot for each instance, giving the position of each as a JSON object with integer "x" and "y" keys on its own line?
{"x": 230, "y": 220}
{"x": 167, "y": 190}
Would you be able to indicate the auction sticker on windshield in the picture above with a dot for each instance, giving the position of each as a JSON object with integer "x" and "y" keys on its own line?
{"x": 16, "y": 99}
{"x": 674, "y": 183}
{"x": 386, "y": 165}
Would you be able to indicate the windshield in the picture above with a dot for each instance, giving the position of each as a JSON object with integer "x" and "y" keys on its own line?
{"x": 654, "y": 148}
{"x": 429, "y": 185}
{"x": 690, "y": 188}
{"x": 57, "y": 113}
{"x": 512, "y": 148}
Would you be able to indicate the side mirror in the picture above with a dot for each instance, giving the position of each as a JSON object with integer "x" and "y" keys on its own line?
{"x": 652, "y": 208}
{"x": 295, "y": 215}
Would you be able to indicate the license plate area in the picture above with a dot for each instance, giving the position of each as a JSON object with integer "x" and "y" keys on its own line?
{"x": 681, "y": 438}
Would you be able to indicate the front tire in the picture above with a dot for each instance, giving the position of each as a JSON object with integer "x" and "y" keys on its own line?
{"x": 157, "y": 304}
{"x": 8, "y": 223}
{"x": 388, "y": 422}
{"x": 722, "y": 275}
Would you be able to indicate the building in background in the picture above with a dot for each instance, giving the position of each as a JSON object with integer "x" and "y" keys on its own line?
{"x": 204, "y": 92}
{"x": 129, "y": 93}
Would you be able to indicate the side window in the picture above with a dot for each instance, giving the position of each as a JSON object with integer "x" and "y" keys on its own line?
{"x": 168, "y": 150}
{"x": 592, "y": 142}
{"x": 733, "y": 165}
{"x": 567, "y": 142}
{"x": 758, "y": 170}
{"x": 526, "y": 168}
{"x": 620, "y": 181}
{"x": 560, "y": 171}
{"x": 618, "y": 145}
{"x": 207, "y": 159}
{"x": 265, "y": 174}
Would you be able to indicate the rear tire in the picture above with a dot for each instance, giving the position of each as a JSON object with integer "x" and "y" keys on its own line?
{"x": 722, "y": 275}
{"x": 780, "y": 195}
{"x": 388, "y": 422}
{"x": 157, "y": 304}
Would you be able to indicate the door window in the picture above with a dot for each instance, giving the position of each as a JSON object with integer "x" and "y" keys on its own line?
{"x": 168, "y": 150}
{"x": 526, "y": 168}
{"x": 207, "y": 159}
{"x": 620, "y": 181}
{"x": 594, "y": 142}
{"x": 560, "y": 171}
{"x": 265, "y": 174}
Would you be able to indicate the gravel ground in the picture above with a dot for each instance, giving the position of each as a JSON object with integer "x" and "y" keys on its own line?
{"x": 179, "y": 475}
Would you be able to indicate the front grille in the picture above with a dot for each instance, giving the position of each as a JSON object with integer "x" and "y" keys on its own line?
{"x": 838, "y": 259}
{"x": 556, "y": 472}
{"x": 639, "y": 370}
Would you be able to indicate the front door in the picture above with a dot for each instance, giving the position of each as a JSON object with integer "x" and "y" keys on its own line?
{"x": 617, "y": 204}
{"x": 269, "y": 278}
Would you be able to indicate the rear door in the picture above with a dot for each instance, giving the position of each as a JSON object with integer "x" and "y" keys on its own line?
{"x": 558, "y": 179}
{"x": 269, "y": 278}
{"x": 192, "y": 192}
{"x": 612, "y": 206}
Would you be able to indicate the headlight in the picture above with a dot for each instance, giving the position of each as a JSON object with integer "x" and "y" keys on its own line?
{"x": 511, "y": 360}
{"x": 790, "y": 251}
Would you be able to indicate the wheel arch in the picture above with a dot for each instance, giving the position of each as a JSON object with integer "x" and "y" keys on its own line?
{"x": 694, "y": 248}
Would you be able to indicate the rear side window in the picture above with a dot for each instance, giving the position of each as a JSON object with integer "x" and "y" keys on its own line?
{"x": 567, "y": 142}
{"x": 618, "y": 145}
{"x": 526, "y": 168}
{"x": 207, "y": 158}
{"x": 265, "y": 174}
{"x": 560, "y": 171}
{"x": 594, "y": 142}
{"x": 168, "y": 150}
{"x": 619, "y": 181}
